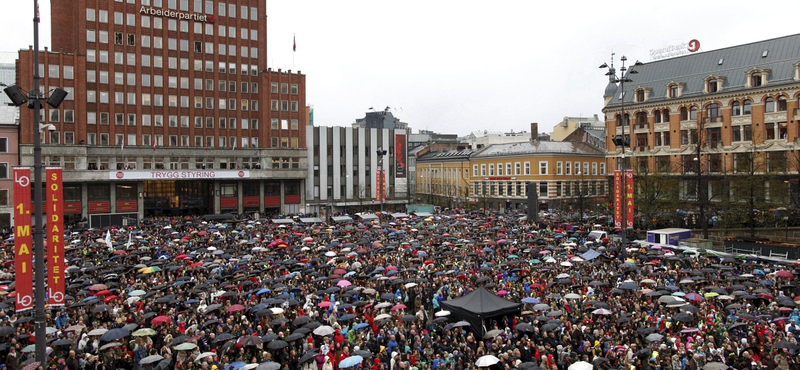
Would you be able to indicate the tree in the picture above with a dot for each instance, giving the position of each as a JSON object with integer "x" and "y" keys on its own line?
{"x": 656, "y": 193}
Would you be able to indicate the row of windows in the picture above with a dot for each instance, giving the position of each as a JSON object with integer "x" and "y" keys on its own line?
{"x": 172, "y": 24}
{"x": 559, "y": 188}
{"x": 173, "y": 44}
{"x": 713, "y": 111}
{"x": 562, "y": 168}
{"x": 713, "y": 84}
{"x": 157, "y": 61}
{"x": 144, "y": 80}
{"x": 245, "y": 12}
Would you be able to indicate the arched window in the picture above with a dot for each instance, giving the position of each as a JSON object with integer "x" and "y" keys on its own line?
{"x": 693, "y": 113}
{"x": 769, "y": 105}
{"x": 747, "y": 107}
{"x": 665, "y": 115}
{"x": 640, "y": 95}
{"x": 684, "y": 114}
{"x": 755, "y": 79}
{"x": 781, "y": 107}
{"x": 673, "y": 91}
{"x": 736, "y": 109}
{"x": 641, "y": 118}
{"x": 619, "y": 120}
{"x": 657, "y": 116}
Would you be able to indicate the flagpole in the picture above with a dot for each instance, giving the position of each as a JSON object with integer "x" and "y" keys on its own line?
{"x": 294, "y": 48}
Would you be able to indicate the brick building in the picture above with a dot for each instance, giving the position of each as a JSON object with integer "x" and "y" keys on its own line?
{"x": 171, "y": 109}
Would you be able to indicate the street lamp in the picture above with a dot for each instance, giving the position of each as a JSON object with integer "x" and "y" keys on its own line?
{"x": 580, "y": 194}
{"x": 381, "y": 176}
{"x": 622, "y": 140}
{"x": 34, "y": 100}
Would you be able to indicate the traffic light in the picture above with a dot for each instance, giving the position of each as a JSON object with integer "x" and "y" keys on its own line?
{"x": 619, "y": 141}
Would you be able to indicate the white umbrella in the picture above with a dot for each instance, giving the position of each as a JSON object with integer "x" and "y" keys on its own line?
{"x": 330, "y": 254}
{"x": 581, "y": 365}
{"x": 97, "y": 332}
{"x": 204, "y": 355}
{"x": 442, "y": 313}
{"x": 323, "y": 330}
{"x": 486, "y": 361}
{"x": 276, "y": 310}
{"x": 572, "y": 296}
{"x": 411, "y": 285}
{"x": 566, "y": 264}
{"x": 382, "y": 316}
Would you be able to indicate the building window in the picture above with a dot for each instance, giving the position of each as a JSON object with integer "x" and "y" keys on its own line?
{"x": 559, "y": 168}
{"x": 781, "y": 107}
{"x": 640, "y": 95}
{"x": 527, "y": 168}
{"x": 755, "y": 79}
{"x": 736, "y": 109}
{"x": 747, "y": 107}
{"x": 769, "y": 105}
{"x": 543, "y": 168}
{"x": 712, "y": 86}
{"x": 673, "y": 91}
{"x": 712, "y": 112}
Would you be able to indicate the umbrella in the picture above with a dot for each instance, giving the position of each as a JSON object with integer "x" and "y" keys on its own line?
{"x": 143, "y": 332}
{"x": 150, "y": 359}
{"x": 277, "y": 344}
{"x": 97, "y": 332}
{"x": 204, "y": 355}
{"x": 438, "y": 314}
{"x": 308, "y": 356}
{"x": 581, "y": 365}
{"x": 601, "y": 311}
{"x": 788, "y": 345}
{"x": 110, "y": 345}
{"x": 486, "y": 361}
{"x": 323, "y": 330}
{"x": 269, "y": 365}
{"x": 351, "y": 361}
{"x": 655, "y": 337}
{"x": 31, "y": 366}
{"x": 185, "y": 347}
{"x": 158, "y": 320}
{"x": 492, "y": 333}
{"x": 715, "y": 366}
{"x": 114, "y": 334}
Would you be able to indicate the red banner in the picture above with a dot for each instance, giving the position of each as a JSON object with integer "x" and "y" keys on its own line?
{"x": 380, "y": 180}
{"x": 23, "y": 240}
{"x": 55, "y": 237}
{"x": 617, "y": 199}
{"x": 629, "y": 208}
{"x": 400, "y": 156}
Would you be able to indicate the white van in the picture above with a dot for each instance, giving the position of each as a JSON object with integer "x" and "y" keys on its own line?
{"x": 598, "y": 234}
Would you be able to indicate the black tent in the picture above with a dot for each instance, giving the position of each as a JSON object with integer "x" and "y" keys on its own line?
{"x": 479, "y": 305}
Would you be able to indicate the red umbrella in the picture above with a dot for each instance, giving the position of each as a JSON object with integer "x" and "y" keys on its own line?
{"x": 235, "y": 308}
{"x": 196, "y": 264}
{"x": 158, "y": 320}
{"x": 340, "y": 271}
{"x": 181, "y": 256}
{"x": 399, "y": 307}
{"x": 102, "y": 293}
{"x": 202, "y": 233}
{"x": 98, "y": 287}
{"x": 325, "y": 304}
{"x": 110, "y": 298}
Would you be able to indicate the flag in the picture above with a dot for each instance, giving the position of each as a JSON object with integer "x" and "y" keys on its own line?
{"x": 234, "y": 145}
{"x": 122, "y": 146}
{"x": 37, "y": 13}
{"x": 154, "y": 144}
{"x": 108, "y": 240}
{"x": 294, "y": 43}
{"x": 130, "y": 240}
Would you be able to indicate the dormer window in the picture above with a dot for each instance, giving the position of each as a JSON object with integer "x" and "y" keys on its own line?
{"x": 713, "y": 84}
{"x": 641, "y": 94}
{"x": 757, "y": 77}
{"x": 781, "y": 104}
{"x": 674, "y": 90}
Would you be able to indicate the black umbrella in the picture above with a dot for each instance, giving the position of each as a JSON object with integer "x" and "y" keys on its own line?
{"x": 788, "y": 345}
{"x": 62, "y": 342}
{"x": 301, "y": 320}
{"x": 223, "y": 337}
{"x": 294, "y": 336}
{"x": 683, "y": 317}
{"x": 277, "y": 344}
{"x": 308, "y": 356}
{"x": 114, "y": 334}
{"x": 6, "y": 330}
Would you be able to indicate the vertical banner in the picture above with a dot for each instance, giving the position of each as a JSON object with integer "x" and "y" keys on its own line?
{"x": 55, "y": 237}
{"x": 629, "y": 208}
{"x": 400, "y": 156}
{"x": 23, "y": 240}
{"x": 617, "y": 198}
{"x": 380, "y": 181}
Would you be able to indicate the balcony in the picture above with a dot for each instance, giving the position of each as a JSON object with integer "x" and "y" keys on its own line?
{"x": 641, "y": 149}
{"x": 641, "y": 128}
{"x": 715, "y": 145}
{"x": 712, "y": 122}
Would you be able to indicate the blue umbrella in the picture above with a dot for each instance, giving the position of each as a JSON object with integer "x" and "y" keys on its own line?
{"x": 234, "y": 365}
{"x": 263, "y": 291}
{"x": 530, "y": 300}
{"x": 192, "y": 301}
{"x": 114, "y": 334}
{"x": 422, "y": 254}
{"x": 351, "y": 361}
{"x": 360, "y": 326}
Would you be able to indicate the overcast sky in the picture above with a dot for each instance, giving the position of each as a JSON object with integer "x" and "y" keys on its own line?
{"x": 459, "y": 66}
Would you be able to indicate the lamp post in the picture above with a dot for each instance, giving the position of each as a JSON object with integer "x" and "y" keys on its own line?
{"x": 381, "y": 176}
{"x": 622, "y": 140}
{"x": 580, "y": 194}
{"x": 34, "y": 99}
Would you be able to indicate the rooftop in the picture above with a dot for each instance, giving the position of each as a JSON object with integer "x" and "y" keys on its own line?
{"x": 539, "y": 148}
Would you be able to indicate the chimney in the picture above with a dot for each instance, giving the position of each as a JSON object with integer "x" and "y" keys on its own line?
{"x": 534, "y": 131}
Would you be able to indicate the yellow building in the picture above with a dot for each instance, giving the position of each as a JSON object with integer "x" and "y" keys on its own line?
{"x": 567, "y": 176}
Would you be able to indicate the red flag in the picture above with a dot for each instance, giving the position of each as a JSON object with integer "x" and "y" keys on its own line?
{"x": 294, "y": 43}
{"x": 154, "y": 144}
{"x": 55, "y": 233}
{"x": 23, "y": 242}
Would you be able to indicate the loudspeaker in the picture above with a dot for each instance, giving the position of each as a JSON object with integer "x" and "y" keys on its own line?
{"x": 56, "y": 97}
{"x": 533, "y": 201}
{"x": 16, "y": 96}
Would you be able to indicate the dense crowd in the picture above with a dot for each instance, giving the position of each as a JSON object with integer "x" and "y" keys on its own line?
{"x": 188, "y": 293}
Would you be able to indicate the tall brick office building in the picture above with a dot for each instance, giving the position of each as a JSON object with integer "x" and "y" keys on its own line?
{"x": 171, "y": 110}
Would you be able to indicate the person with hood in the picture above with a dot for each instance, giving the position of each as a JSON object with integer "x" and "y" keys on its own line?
{"x": 321, "y": 356}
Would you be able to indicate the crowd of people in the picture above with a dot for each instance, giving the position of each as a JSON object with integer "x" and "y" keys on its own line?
{"x": 188, "y": 293}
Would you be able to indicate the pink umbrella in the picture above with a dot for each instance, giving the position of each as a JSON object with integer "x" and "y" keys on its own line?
{"x": 344, "y": 283}
{"x": 601, "y": 311}
{"x": 784, "y": 274}
{"x": 544, "y": 252}
{"x": 399, "y": 307}
{"x": 236, "y": 308}
{"x": 325, "y": 304}
{"x": 502, "y": 292}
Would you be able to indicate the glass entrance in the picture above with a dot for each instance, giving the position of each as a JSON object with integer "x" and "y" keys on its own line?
{"x": 171, "y": 198}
